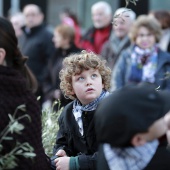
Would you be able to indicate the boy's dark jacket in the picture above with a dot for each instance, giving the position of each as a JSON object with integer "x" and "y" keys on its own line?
{"x": 70, "y": 139}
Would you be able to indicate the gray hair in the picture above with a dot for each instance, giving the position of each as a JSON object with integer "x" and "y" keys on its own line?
{"x": 106, "y": 7}
{"x": 121, "y": 11}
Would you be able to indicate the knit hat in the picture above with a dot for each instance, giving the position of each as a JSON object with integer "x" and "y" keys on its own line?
{"x": 128, "y": 111}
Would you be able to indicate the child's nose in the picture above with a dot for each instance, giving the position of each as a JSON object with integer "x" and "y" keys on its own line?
{"x": 88, "y": 81}
{"x": 88, "y": 84}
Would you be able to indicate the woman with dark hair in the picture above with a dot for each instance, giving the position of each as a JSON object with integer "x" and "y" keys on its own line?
{"x": 17, "y": 85}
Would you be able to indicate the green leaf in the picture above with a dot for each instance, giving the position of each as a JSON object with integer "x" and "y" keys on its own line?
{"x": 50, "y": 127}
{"x": 7, "y": 138}
{"x": 11, "y": 118}
{"x": 9, "y": 160}
{"x": 22, "y": 107}
{"x": 16, "y": 127}
{"x": 19, "y": 152}
{"x": 29, "y": 154}
{"x": 39, "y": 97}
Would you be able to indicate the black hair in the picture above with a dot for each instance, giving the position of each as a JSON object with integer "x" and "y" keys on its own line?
{"x": 14, "y": 58}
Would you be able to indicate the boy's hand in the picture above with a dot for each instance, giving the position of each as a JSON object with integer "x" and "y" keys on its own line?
{"x": 62, "y": 163}
{"x": 61, "y": 153}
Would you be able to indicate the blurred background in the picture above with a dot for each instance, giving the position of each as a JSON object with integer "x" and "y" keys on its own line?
{"x": 52, "y": 8}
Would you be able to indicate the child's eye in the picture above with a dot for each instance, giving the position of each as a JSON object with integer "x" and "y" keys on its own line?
{"x": 94, "y": 75}
{"x": 80, "y": 78}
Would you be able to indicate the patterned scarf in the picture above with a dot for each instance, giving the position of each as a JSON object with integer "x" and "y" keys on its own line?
{"x": 78, "y": 109}
{"x": 144, "y": 64}
{"x": 133, "y": 158}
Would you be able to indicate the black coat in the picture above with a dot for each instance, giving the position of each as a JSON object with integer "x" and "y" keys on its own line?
{"x": 39, "y": 48}
{"x": 70, "y": 139}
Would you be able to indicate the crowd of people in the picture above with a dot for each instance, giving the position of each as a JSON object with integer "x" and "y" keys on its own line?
{"x": 112, "y": 80}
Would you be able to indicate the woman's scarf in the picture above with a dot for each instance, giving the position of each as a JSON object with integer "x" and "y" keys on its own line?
{"x": 132, "y": 158}
{"x": 143, "y": 64}
{"x": 78, "y": 109}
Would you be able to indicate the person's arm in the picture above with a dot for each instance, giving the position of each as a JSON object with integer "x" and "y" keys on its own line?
{"x": 163, "y": 70}
{"x": 61, "y": 141}
{"x": 87, "y": 161}
{"x": 80, "y": 161}
{"x": 60, "y": 147}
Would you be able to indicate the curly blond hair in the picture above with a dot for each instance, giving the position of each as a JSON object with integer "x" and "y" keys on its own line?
{"x": 75, "y": 64}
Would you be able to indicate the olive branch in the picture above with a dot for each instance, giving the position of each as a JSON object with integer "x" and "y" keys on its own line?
{"x": 9, "y": 160}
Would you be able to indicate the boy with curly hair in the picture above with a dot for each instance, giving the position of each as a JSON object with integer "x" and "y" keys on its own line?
{"x": 85, "y": 79}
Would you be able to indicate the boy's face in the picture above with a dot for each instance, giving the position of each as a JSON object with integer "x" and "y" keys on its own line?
{"x": 87, "y": 86}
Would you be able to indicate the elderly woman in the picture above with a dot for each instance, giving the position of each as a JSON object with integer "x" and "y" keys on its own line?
{"x": 143, "y": 61}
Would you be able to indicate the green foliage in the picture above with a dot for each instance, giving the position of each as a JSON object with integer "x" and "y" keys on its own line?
{"x": 50, "y": 127}
{"x": 9, "y": 160}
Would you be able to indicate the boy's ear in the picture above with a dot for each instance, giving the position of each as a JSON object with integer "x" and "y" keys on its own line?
{"x": 2, "y": 55}
{"x": 138, "y": 140}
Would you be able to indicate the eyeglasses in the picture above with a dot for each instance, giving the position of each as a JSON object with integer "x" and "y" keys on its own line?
{"x": 145, "y": 35}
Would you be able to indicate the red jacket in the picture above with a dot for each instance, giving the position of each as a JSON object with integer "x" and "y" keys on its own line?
{"x": 94, "y": 38}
